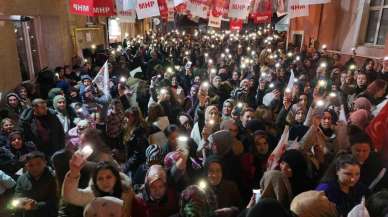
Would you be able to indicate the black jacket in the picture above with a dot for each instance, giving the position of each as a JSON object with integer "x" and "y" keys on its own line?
{"x": 28, "y": 124}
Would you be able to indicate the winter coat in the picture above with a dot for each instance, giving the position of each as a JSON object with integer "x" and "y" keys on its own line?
{"x": 56, "y": 137}
{"x": 42, "y": 191}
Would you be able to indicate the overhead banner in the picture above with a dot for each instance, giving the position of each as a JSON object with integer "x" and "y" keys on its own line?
{"x": 125, "y": 15}
{"x": 263, "y": 12}
{"x": 295, "y": 9}
{"x": 128, "y": 4}
{"x": 92, "y": 7}
{"x": 239, "y": 9}
{"x": 235, "y": 24}
{"x": 215, "y": 18}
{"x": 163, "y": 9}
{"x": 281, "y": 7}
{"x": 198, "y": 8}
{"x": 313, "y": 2}
{"x": 147, "y": 8}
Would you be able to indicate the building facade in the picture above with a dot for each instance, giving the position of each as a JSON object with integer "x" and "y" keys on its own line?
{"x": 35, "y": 34}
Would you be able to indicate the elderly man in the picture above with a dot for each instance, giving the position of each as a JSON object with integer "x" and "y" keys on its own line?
{"x": 42, "y": 126}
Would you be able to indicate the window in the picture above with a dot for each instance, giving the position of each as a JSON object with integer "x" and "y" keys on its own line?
{"x": 377, "y": 23}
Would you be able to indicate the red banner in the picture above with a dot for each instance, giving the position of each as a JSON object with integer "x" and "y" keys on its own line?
{"x": 92, "y": 7}
{"x": 235, "y": 24}
{"x": 261, "y": 11}
{"x": 163, "y": 9}
{"x": 377, "y": 130}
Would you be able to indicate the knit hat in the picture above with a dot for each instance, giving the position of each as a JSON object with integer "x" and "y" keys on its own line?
{"x": 362, "y": 103}
{"x": 54, "y": 92}
{"x": 359, "y": 118}
{"x": 56, "y": 99}
{"x": 85, "y": 77}
{"x": 103, "y": 207}
{"x": 222, "y": 140}
{"x": 153, "y": 153}
{"x": 313, "y": 204}
{"x": 12, "y": 94}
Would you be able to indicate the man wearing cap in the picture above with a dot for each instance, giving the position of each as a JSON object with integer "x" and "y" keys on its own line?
{"x": 42, "y": 127}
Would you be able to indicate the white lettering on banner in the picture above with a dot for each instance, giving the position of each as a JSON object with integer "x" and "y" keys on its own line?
{"x": 79, "y": 7}
{"x": 101, "y": 10}
{"x": 238, "y": 6}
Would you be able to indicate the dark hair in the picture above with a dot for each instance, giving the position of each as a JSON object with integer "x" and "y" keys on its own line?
{"x": 342, "y": 159}
{"x": 155, "y": 111}
{"x": 247, "y": 109}
{"x": 117, "y": 189}
{"x": 377, "y": 204}
{"x": 360, "y": 137}
{"x": 33, "y": 155}
{"x": 170, "y": 129}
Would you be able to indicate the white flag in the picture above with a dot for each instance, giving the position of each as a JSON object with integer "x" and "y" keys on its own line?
{"x": 102, "y": 79}
{"x": 342, "y": 115}
{"x": 239, "y": 9}
{"x": 277, "y": 153}
{"x": 147, "y": 8}
{"x": 291, "y": 81}
{"x": 313, "y": 2}
{"x": 295, "y": 9}
{"x": 215, "y": 18}
{"x": 135, "y": 71}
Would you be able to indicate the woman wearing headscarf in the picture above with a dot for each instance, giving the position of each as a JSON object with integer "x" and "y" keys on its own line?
{"x": 206, "y": 120}
{"x": 194, "y": 202}
{"x": 7, "y": 126}
{"x": 18, "y": 146}
{"x": 13, "y": 108}
{"x": 313, "y": 204}
{"x": 158, "y": 198}
{"x": 294, "y": 165}
{"x": 228, "y": 197}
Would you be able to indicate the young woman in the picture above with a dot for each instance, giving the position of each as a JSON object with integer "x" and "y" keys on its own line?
{"x": 341, "y": 184}
{"x": 106, "y": 181}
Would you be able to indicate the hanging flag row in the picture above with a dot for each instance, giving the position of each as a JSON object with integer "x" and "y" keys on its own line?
{"x": 260, "y": 11}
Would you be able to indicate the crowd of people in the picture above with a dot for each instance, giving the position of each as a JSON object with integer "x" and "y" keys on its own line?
{"x": 197, "y": 124}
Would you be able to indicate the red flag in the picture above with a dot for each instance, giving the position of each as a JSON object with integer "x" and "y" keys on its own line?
{"x": 235, "y": 24}
{"x": 163, "y": 9}
{"x": 273, "y": 159}
{"x": 378, "y": 131}
{"x": 263, "y": 12}
{"x": 92, "y": 7}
